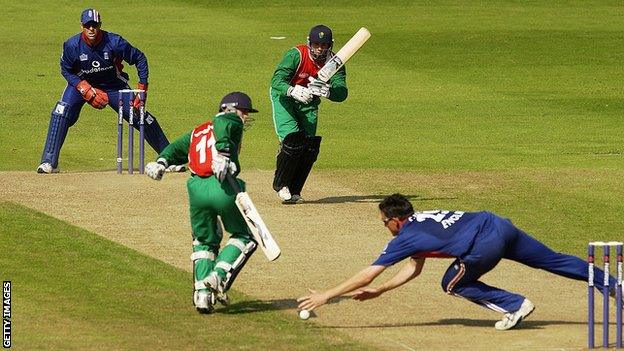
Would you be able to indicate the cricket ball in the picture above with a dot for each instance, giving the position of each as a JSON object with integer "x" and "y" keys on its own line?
{"x": 304, "y": 314}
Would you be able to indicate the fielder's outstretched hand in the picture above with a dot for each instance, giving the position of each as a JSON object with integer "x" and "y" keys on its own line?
{"x": 312, "y": 301}
{"x": 155, "y": 170}
{"x": 366, "y": 294}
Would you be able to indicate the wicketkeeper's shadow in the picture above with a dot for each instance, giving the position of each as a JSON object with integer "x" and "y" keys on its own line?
{"x": 368, "y": 199}
{"x": 251, "y": 306}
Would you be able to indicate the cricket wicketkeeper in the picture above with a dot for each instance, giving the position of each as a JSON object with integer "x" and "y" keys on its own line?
{"x": 212, "y": 152}
{"x": 295, "y": 97}
{"x": 92, "y": 65}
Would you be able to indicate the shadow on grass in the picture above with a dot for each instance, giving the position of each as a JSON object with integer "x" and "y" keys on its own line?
{"x": 480, "y": 323}
{"x": 253, "y": 306}
{"x": 368, "y": 199}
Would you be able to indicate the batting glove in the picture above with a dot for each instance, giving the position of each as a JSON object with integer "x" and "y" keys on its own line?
{"x": 155, "y": 170}
{"x": 318, "y": 87}
{"x": 300, "y": 93}
{"x": 221, "y": 165}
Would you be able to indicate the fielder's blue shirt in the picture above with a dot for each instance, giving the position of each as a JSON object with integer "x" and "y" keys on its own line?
{"x": 101, "y": 65}
{"x": 435, "y": 234}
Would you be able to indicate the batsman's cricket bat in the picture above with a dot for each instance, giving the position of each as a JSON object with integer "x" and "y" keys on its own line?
{"x": 344, "y": 54}
{"x": 256, "y": 225}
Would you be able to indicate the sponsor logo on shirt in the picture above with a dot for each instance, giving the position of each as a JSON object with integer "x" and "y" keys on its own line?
{"x": 84, "y": 57}
{"x": 95, "y": 70}
{"x": 303, "y": 75}
{"x": 106, "y": 55}
{"x": 95, "y": 64}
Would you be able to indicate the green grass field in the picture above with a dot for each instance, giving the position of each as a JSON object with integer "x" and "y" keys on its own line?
{"x": 453, "y": 86}
{"x": 73, "y": 290}
{"x": 516, "y": 106}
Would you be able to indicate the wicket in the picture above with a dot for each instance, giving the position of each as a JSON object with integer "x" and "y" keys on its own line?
{"x": 131, "y": 93}
{"x": 606, "y": 246}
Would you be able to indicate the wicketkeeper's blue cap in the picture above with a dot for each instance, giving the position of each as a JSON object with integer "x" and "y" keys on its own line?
{"x": 90, "y": 15}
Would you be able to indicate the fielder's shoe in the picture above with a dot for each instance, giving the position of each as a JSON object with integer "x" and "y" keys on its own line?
{"x": 511, "y": 320}
{"x": 284, "y": 194}
{"x": 213, "y": 282}
{"x": 47, "y": 168}
{"x": 203, "y": 301}
{"x": 176, "y": 168}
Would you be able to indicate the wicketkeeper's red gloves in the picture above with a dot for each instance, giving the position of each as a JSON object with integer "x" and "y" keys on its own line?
{"x": 94, "y": 96}
{"x": 137, "y": 100}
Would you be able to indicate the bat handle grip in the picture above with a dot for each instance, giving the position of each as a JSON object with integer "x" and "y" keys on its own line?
{"x": 233, "y": 182}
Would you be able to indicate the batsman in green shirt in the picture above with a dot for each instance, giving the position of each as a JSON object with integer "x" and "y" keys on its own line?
{"x": 212, "y": 150}
{"x": 295, "y": 98}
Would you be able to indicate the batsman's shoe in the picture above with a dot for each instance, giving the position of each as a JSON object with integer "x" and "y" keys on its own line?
{"x": 294, "y": 199}
{"x": 215, "y": 284}
{"x": 511, "y": 320}
{"x": 223, "y": 298}
{"x": 204, "y": 301}
{"x": 176, "y": 169}
{"x": 47, "y": 168}
{"x": 284, "y": 194}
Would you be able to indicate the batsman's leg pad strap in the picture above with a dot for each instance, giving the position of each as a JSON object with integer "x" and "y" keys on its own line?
{"x": 203, "y": 254}
{"x": 227, "y": 267}
{"x": 293, "y": 144}
{"x": 200, "y": 285}
{"x": 244, "y": 248}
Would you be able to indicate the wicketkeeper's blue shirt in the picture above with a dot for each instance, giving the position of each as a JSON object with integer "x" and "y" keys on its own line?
{"x": 101, "y": 65}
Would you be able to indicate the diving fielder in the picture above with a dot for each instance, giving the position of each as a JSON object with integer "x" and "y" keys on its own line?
{"x": 92, "y": 65}
{"x": 212, "y": 151}
{"x": 477, "y": 241}
{"x": 295, "y": 97}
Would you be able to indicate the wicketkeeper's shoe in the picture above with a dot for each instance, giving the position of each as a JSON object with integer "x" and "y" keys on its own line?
{"x": 284, "y": 194}
{"x": 204, "y": 301}
{"x": 176, "y": 168}
{"x": 511, "y": 320}
{"x": 47, "y": 168}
